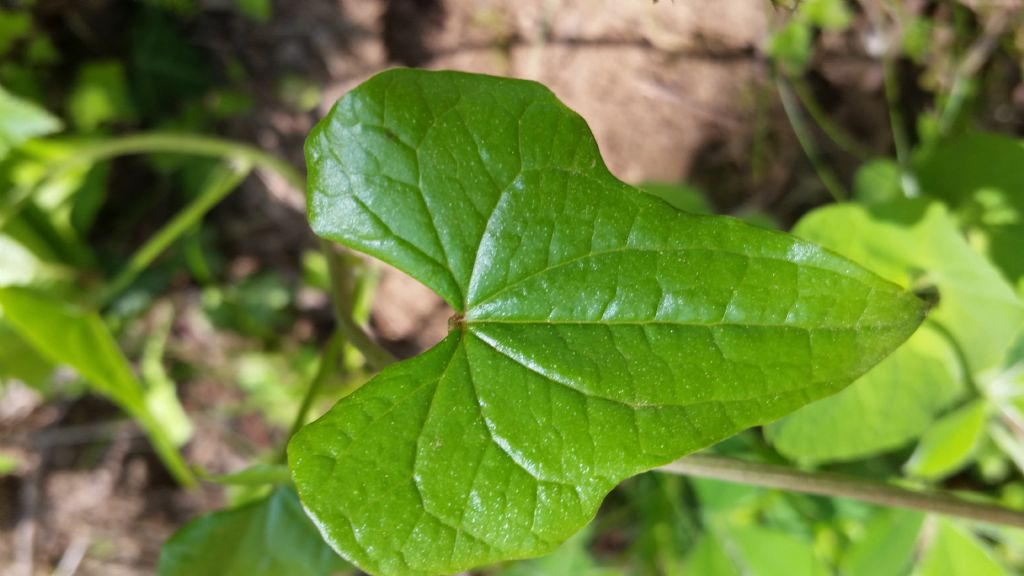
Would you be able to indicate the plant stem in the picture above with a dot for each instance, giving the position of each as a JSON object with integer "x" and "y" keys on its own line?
{"x": 892, "y": 98}
{"x": 375, "y": 355}
{"x": 328, "y": 361}
{"x": 219, "y": 185}
{"x": 826, "y": 484}
{"x": 187, "y": 144}
{"x": 975, "y": 57}
{"x": 803, "y": 135}
{"x": 842, "y": 139}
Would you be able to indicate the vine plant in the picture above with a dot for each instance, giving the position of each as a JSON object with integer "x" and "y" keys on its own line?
{"x": 598, "y": 331}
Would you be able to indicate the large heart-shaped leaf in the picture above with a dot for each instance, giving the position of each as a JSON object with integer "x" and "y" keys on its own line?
{"x": 599, "y": 332}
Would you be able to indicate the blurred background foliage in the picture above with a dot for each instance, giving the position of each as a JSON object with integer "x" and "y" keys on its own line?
{"x": 129, "y": 369}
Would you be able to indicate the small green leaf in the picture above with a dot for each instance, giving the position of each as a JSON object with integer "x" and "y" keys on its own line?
{"x": 791, "y": 45}
{"x": 954, "y": 551}
{"x": 600, "y": 332}
{"x": 878, "y": 182}
{"x": 766, "y": 552}
{"x": 268, "y": 537}
{"x": 827, "y": 14}
{"x": 950, "y": 443}
{"x": 21, "y": 120}
{"x": 100, "y": 96}
{"x": 161, "y": 395}
{"x": 80, "y": 339}
{"x": 709, "y": 557}
{"x": 887, "y": 546}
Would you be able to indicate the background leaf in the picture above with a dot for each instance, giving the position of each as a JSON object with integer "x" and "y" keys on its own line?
{"x": 911, "y": 243}
{"x": 950, "y": 443}
{"x": 885, "y": 409}
{"x": 953, "y": 551}
{"x": 887, "y": 546}
{"x": 21, "y": 120}
{"x": 68, "y": 335}
{"x": 269, "y": 537}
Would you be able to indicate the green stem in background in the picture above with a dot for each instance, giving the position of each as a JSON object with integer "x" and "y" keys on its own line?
{"x": 834, "y": 485}
{"x": 186, "y": 144}
{"x": 219, "y": 184}
{"x": 835, "y": 132}
{"x": 971, "y": 63}
{"x": 825, "y": 173}
{"x": 893, "y": 95}
{"x": 375, "y": 355}
{"x": 328, "y": 361}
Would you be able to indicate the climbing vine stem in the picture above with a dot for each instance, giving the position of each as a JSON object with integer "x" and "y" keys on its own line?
{"x": 838, "y": 486}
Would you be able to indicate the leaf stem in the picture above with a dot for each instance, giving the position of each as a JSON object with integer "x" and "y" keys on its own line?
{"x": 893, "y": 95}
{"x": 187, "y": 144}
{"x": 827, "y": 484}
{"x": 220, "y": 184}
{"x": 835, "y": 132}
{"x": 375, "y": 354}
{"x": 973, "y": 60}
{"x": 328, "y": 361}
{"x": 825, "y": 173}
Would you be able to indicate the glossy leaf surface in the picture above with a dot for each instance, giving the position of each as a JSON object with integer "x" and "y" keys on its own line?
{"x": 600, "y": 331}
{"x": 269, "y": 537}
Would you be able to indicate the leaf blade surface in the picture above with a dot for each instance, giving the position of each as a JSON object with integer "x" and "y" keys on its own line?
{"x": 600, "y": 331}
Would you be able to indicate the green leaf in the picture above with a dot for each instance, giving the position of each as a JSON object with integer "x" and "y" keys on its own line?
{"x": 708, "y": 556}
{"x": 827, "y": 14}
{"x": 100, "y": 96}
{"x": 765, "y": 552}
{"x": 918, "y": 243}
{"x": 885, "y": 409}
{"x": 599, "y": 333}
{"x": 887, "y": 546}
{"x": 910, "y": 243}
{"x": 161, "y": 395}
{"x": 954, "y": 551}
{"x": 950, "y": 443}
{"x": 791, "y": 45}
{"x": 878, "y": 182}
{"x": 981, "y": 176}
{"x": 21, "y": 120}
{"x": 268, "y": 537}
{"x": 80, "y": 339}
